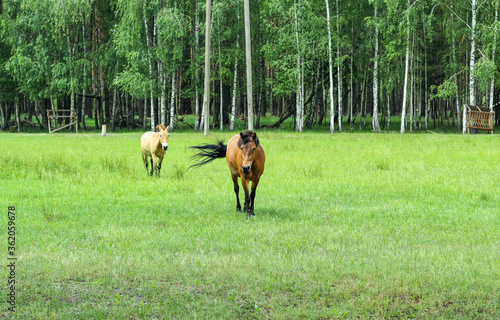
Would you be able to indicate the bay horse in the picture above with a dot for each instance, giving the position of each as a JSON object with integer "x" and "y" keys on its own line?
{"x": 245, "y": 157}
{"x": 154, "y": 145}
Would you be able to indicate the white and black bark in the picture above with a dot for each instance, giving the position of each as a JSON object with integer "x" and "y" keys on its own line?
{"x": 375, "y": 123}
{"x": 248, "y": 51}
{"x": 206, "y": 96}
{"x": 330, "y": 69}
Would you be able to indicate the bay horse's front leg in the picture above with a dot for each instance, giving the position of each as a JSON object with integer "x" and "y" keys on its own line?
{"x": 237, "y": 191}
{"x": 246, "y": 207}
{"x": 252, "y": 195}
{"x": 152, "y": 166}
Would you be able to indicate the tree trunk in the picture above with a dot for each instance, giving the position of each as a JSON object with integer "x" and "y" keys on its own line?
{"x": 148, "y": 46}
{"x": 492, "y": 83}
{"x": 235, "y": 78}
{"x": 221, "y": 100}
{"x": 248, "y": 50}
{"x": 457, "y": 99}
{"x": 339, "y": 71}
{"x": 407, "y": 59}
{"x": 330, "y": 69}
{"x": 172, "y": 102}
{"x": 206, "y": 96}
{"x": 197, "y": 118}
{"x": 18, "y": 120}
{"x": 351, "y": 85}
{"x": 472, "y": 90}
{"x": 375, "y": 123}
{"x": 84, "y": 93}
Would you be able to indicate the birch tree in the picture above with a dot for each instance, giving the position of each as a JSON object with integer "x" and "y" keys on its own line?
{"x": 375, "y": 123}
{"x": 407, "y": 63}
{"x": 206, "y": 96}
{"x": 330, "y": 69}
{"x": 472, "y": 86}
{"x": 492, "y": 83}
{"x": 248, "y": 51}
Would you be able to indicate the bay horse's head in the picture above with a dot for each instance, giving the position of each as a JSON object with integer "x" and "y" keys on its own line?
{"x": 248, "y": 143}
{"x": 163, "y": 136}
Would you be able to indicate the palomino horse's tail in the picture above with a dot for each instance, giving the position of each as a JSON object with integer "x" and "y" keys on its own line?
{"x": 208, "y": 153}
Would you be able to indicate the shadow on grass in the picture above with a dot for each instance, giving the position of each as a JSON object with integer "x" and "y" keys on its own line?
{"x": 282, "y": 213}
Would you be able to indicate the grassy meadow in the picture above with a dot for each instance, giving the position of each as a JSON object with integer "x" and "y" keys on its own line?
{"x": 358, "y": 225}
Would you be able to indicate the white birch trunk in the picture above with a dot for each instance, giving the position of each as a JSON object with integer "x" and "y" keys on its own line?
{"x": 455, "y": 77}
{"x": 235, "y": 78}
{"x": 339, "y": 72}
{"x": 299, "y": 105}
{"x": 197, "y": 119}
{"x": 388, "y": 112}
{"x": 163, "y": 98}
{"x": 18, "y": 120}
{"x": 206, "y": 96}
{"x": 72, "y": 88}
{"x": 492, "y": 83}
{"x": 330, "y": 69}
{"x": 172, "y": 102}
{"x": 375, "y": 123}
{"x": 412, "y": 84}
{"x": 405, "y": 88}
{"x": 248, "y": 50}
{"x": 84, "y": 93}
{"x": 145, "y": 120}
{"x": 351, "y": 91}
{"x": 220, "y": 88}
{"x": 472, "y": 83}
{"x": 148, "y": 46}
{"x": 113, "y": 109}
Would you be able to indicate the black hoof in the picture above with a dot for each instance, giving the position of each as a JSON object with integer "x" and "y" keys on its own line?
{"x": 238, "y": 209}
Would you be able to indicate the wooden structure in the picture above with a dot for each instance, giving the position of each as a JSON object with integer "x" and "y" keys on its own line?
{"x": 58, "y": 116}
{"x": 479, "y": 118}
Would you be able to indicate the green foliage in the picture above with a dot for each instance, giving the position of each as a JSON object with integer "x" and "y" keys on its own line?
{"x": 484, "y": 69}
{"x": 447, "y": 90}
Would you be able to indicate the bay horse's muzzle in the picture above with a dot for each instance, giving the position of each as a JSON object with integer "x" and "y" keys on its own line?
{"x": 246, "y": 169}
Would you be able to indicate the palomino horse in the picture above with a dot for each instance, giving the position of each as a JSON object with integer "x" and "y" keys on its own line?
{"x": 245, "y": 158}
{"x": 154, "y": 145}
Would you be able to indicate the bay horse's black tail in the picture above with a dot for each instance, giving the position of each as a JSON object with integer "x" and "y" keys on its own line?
{"x": 208, "y": 153}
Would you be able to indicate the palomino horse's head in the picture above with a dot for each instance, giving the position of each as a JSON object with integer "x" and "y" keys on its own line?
{"x": 248, "y": 143}
{"x": 163, "y": 136}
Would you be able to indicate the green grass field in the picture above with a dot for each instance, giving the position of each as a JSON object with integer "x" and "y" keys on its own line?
{"x": 357, "y": 225}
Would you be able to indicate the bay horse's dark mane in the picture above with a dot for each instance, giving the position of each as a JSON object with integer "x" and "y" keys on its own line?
{"x": 246, "y": 137}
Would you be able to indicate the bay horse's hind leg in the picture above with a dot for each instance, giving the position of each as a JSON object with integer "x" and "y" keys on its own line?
{"x": 237, "y": 191}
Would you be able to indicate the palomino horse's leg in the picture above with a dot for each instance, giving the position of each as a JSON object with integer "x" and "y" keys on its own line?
{"x": 145, "y": 160}
{"x": 159, "y": 166}
{"x": 246, "y": 207}
{"x": 237, "y": 191}
{"x": 155, "y": 160}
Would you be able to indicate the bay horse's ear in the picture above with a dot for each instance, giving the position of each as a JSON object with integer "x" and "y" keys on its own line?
{"x": 255, "y": 139}
{"x": 167, "y": 128}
